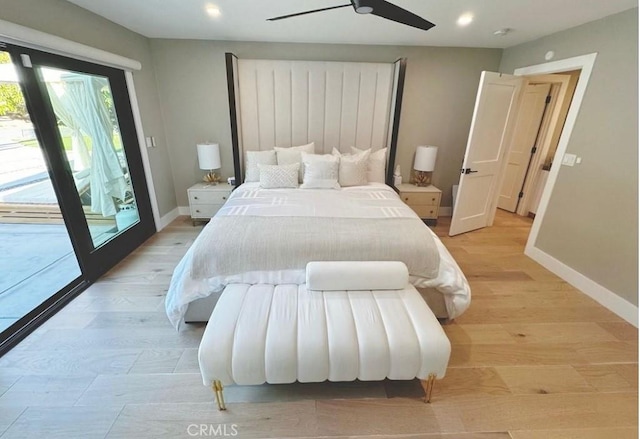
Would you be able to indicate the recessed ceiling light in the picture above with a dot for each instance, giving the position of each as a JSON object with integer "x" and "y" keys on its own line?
{"x": 213, "y": 10}
{"x": 465, "y": 19}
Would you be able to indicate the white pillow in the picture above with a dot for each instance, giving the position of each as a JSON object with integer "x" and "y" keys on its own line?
{"x": 275, "y": 176}
{"x": 320, "y": 171}
{"x": 377, "y": 164}
{"x": 353, "y": 168}
{"x": 252, "y": 159}
{"x": 287, "y": 156}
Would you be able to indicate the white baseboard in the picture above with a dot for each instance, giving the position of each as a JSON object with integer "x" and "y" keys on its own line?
{"x": 168, "y": 218}
{"x": 597, "y": 292}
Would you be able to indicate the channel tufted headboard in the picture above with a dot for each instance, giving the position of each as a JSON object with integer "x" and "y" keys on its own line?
{"x": 334, "y": 104}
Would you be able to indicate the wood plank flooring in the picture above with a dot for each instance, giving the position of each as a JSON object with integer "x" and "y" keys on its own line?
{"x": 532, "y": 358}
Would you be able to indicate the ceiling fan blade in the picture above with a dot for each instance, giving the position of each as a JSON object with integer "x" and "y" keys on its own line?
{"x": 387, "y": 10}
{"x": 307, "y": 12}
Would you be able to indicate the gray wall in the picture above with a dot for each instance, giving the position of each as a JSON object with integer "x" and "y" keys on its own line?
{"x": 591, "y": 223}
{"x": 68, "y": 21}
{"x": 440, "y": 90}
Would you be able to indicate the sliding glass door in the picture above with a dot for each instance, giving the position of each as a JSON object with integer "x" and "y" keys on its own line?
{"x": 37, "y": 258}
{"x": 83, "y": 125}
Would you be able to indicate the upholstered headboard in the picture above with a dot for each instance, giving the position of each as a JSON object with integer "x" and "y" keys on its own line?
{"x": 334, "y": 104}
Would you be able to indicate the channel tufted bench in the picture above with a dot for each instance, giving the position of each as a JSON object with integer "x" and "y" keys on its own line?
{"x": 351, "y": 320}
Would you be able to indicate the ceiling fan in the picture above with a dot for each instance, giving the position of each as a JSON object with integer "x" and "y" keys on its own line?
{"x": 381, "y": 8}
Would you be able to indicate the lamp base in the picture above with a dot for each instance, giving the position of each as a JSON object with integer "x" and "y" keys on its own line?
{"x": 211, "y": 178}
{"x": 422, "y": 178}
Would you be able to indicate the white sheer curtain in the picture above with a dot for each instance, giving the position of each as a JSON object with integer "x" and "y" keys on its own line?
{"x": 77, "y": 100}
{"x": 80, "y": 149}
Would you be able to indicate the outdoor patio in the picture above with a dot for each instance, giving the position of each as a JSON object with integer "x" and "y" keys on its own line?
{"x": 37, "y": 260}
{"x": 36, "y": 255}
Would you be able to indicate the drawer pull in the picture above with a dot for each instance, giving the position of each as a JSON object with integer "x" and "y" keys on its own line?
{"x": 197, "y": 211}
{"x": 406, "y": 199}
{"x": 195, "y": 198}
{"x": 224, "y": 198}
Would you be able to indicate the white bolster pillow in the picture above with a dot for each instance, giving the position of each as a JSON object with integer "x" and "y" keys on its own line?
{"x": 357, "y": 275}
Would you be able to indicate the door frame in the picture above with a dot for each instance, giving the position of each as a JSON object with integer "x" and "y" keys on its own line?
{"x": 584, "y": 63}
{"x": 526, "y": 153}
{"x": 548, "y": 125}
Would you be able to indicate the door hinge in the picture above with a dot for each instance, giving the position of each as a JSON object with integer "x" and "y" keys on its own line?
{"x": 548, "y": 100}
{"x": 521, "y": 194}
{"x": 533, "y": 150}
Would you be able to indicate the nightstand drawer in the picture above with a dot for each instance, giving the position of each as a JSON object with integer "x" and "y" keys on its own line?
{"x": 426, "y": 212}
{"x": 420, "y": 198}
{"x": 204, "y": 210}
{"x": 207, "y": 197}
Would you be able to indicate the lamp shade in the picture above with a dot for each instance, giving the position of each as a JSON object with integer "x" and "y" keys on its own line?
{"x": 425, "y": 158}
{"x": 209, "y": 156}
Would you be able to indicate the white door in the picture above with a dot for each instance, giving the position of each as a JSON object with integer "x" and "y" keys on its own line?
{"x": 489, "y": 137}
{"x": 532, "y": 106}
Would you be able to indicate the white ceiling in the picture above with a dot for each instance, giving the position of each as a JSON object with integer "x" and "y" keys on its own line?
{"x": 245, "y": 20}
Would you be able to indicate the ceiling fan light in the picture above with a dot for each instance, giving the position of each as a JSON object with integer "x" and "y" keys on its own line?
{"x": 361, "y": 7}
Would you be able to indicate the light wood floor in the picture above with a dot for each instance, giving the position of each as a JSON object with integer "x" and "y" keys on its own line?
{"x": 532, "y": 358}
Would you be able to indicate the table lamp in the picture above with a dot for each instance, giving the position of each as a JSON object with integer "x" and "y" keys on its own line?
{"x": 424, "y": 164}
{"x": 209, "y": 159}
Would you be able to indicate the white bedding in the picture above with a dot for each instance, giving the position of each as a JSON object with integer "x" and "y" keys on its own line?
{"x": 371, "y": 201}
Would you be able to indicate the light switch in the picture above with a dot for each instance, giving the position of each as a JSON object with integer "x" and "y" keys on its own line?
{"x": 149, "y": 142}
{"x": 569, "y": 159}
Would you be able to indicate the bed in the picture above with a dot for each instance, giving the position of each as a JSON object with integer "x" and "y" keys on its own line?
{"x": 281, "y": 110}
{"x": 267, "y": 236}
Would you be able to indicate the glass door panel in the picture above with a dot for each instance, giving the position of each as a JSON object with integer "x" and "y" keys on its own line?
{"x": 37, "y": 258}
{"x": 88, "y": 126}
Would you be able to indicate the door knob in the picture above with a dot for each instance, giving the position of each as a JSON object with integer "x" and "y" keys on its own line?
{"x": 467, "y": 171}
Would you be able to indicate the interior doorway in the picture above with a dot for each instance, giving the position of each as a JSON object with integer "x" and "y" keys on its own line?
{"x": 489, "y": 140}
{"x": 541, "y": 117}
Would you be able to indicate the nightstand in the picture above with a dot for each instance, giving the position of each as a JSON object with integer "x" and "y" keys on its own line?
{"x": 206, "y": 199}
{"x": 424, "y": 200}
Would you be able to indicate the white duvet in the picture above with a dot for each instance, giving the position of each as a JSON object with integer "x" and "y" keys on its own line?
{"x": 372, "y": 201}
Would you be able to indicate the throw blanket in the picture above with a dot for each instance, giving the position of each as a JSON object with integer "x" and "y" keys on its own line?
{"x": 235, "y": 244}
{"x": 320, "y": 215}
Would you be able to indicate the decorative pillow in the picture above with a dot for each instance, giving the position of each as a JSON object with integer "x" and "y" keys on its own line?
{"x": 353, "y": 168}
{"x": 275, "y": 176}
{"x": 320, "y": 171}
{"x": 252, "y": 159}
{"x": 287, "y": 156}
{"x": 377, "y": 164}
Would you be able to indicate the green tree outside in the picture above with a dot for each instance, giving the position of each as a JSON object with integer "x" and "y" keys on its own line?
{"x": 11, "y": 100}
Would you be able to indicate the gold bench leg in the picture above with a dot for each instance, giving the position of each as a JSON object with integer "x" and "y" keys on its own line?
{"x": 427, "y": 385}
{"x": 218, "y": 390}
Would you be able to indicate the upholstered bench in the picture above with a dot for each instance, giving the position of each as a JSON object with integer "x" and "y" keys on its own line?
{"x": 339, "y": 326}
